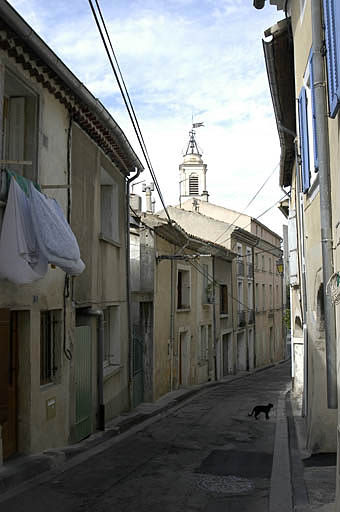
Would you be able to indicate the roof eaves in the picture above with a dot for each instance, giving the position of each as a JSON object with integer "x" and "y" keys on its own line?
{"x": 26, "y": 39}
{"x": 279, "y": 58}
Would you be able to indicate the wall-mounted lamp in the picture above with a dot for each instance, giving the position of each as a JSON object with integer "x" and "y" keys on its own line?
{"x": 279, "y": 266}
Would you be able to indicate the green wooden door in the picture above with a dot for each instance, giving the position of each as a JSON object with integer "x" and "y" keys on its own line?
{"x": 83, "y": 375}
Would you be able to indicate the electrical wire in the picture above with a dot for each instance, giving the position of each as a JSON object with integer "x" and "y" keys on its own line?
{"x": 126, "y": 98}
{"x": 254, "y": 218}
{"x": 250, "y": 202}
{"x": 199, "y": 269}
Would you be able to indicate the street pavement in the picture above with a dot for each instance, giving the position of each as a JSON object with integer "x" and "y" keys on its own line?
{"x": 199, "y": 451}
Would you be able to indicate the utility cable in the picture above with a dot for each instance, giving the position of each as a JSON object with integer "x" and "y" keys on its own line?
{"x": 252, "y": 199}
{"x": 253, "y": 218}
{"x": 127, "y": 102}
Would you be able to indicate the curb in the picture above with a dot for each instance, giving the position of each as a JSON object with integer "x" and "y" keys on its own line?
{"x": 280, "y": 497}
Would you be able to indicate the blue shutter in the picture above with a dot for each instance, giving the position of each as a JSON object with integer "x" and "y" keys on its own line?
{"x": 315, "y": 142}
{"x": 331, "y": 10}
{"x": 304, "y": 141}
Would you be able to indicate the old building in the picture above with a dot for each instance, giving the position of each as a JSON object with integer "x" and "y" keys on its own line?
{"x": 66, "y": 334}
{"x": 182, "y": 309}
{"x": 303, "y": 61}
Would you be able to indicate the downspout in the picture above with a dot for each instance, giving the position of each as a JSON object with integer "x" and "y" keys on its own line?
{"x": 302, "y": 267}
{"x": 128, "y": 285}
{"x": 214, "y": 318}
{"x": 172, "y": 321}
{"x": 100, "y": 366}
{"x": 321, "y": 114}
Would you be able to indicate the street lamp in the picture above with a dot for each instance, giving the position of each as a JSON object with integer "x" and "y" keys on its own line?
{"x": 279, "y": 266}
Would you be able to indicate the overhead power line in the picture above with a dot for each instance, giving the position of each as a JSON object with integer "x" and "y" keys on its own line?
{"x": 252, "y": 199}
{"x": 125, "y": 95}
{"x": 254, "y": 218}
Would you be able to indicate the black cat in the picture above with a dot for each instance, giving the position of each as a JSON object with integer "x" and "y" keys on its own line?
{"x": 261, "y": 408}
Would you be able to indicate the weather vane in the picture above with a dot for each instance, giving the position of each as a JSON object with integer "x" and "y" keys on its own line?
{"x": 192, "y": 146}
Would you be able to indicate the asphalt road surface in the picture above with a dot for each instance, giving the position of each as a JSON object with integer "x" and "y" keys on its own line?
{"x": 206, "y": 456}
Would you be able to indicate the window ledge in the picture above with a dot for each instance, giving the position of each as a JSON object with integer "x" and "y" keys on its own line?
{"x": 224, "y": 315}
{"x": 109, "y": 240}
{"x": 48, "y": 385}
{"x": 111, "y": 370}
{"x": 183, "y": 310}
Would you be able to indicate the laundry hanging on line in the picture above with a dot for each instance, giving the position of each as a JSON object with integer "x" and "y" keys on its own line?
{"x": 34, "y": 233}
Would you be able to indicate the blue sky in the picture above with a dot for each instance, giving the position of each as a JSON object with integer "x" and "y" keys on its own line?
{"x": 181, "y": 58}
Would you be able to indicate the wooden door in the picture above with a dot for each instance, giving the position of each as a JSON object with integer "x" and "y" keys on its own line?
{"x": 8, "y": 381}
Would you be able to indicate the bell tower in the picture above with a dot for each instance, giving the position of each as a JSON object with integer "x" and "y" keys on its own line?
{"x": 192, "y": 172}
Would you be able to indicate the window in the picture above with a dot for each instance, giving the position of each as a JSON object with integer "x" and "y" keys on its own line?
{"x": 50, "y": 343}
{"x": 183, "y": 289}
{"x": 250, "y": 295}
{"x": 109, "y": 211}
{"x": 332, "y": 22}
{"x": 207, "y": 285}
{"x": 240, "y": 296}
{"x": 193, "y": 185}
{"x": 257, "y": 299}
{"x": 240, "y": 265}
{"x": 307, "y": 129}
{"x": 263, "y": 265}
{"x": 270, "y": 265}
{"x": 263, "y": 297}
{"x": 204, "y": 342}
{"x": 20, "y": 125}
{"x": 270, "y": 296}
{"x": 112, "y": 336}
{"x": 256, "y": 261}
{"x": 223, "y": 299}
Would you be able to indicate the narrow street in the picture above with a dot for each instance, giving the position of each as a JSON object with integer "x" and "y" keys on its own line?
{"x": 208, "y": 455}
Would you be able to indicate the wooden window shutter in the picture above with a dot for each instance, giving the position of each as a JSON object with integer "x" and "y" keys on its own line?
{"x": 315, "y": 142}
{"x": 304, "y": 142}
{"x": 331, "y": 9}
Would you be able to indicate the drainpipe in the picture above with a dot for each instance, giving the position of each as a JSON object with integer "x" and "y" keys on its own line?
{"x": 302, "y": 266}
{"x": 172, "y": 322}
{"x": 100, "y": 362}
{"x": 128, "y": 285}
{"x": 321, "y": 114}
{"x": 214, "y": 318}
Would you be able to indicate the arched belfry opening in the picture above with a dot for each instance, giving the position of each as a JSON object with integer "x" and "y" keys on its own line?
{"x": 192, "y": 171}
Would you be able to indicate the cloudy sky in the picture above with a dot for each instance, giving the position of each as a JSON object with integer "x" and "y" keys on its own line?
{"x": 181, "y": 58}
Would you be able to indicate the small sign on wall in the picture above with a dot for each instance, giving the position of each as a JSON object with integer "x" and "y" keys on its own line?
{"x": 50, "y": 408}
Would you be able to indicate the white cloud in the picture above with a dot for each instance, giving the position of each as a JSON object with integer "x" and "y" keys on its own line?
{"x": 181, "y": 57}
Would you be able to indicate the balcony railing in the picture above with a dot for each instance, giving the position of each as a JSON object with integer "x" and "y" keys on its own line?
{"x": 241, "y": 318}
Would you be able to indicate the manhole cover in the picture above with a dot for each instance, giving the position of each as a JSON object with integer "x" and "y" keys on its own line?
{"x": 226, "y": 485}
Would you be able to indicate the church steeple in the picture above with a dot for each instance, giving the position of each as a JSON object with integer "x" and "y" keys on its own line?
{"x": 192, "y": 172}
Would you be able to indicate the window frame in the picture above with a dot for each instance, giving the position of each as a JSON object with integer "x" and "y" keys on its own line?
{"x": 109, "y": 200}
{"x": 30, "y": 128}
{"x": 50, "y": 346}
{"x": 181, "y": 305}
{"x": 111, "y": 339}
{"x": 224, "y": 300}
